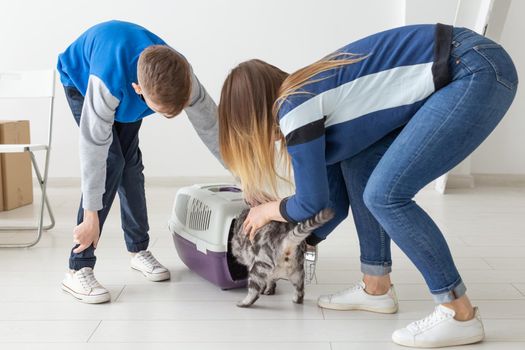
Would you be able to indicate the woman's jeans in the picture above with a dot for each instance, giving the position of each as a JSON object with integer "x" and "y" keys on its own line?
{"x": 124, "y": 174}
{"x": 379, "y": 184}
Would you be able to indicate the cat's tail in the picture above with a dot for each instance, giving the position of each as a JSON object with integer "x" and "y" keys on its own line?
{"x": 304, "y": 228}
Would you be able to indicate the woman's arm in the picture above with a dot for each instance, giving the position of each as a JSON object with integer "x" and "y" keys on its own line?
{"x": 312, "y": 191}
{"x": 304, "y": 129}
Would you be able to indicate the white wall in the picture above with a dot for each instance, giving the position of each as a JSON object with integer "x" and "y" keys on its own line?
{"x": 214, "y": 35}
{"x": 430, "y": 11}
{"x": 504, "y": 150}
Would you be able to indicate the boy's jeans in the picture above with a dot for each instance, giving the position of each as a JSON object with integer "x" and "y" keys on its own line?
{"x": 124, "y": 175}
{"x": 379, "y": 184}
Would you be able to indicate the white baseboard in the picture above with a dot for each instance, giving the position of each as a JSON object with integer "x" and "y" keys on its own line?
{"x": 454, "y": 180}
{"x": 177, "y": 181}
{"x": 500, "y": 180}
{"x": 457, "y": 181}
{"x": 180, "y": 181}
{"x": 460, "y": 181}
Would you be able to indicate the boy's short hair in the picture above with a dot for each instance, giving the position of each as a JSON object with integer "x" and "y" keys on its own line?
{"x": 164, "y": 75}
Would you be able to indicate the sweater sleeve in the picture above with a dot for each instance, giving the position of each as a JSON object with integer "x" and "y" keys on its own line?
{"x": 96, "y": 135}
{"x": 202, "y": 113}
{"x": 306, "y": 146}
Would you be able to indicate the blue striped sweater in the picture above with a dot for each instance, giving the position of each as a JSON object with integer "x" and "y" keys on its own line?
{"x": 345, "y": 110}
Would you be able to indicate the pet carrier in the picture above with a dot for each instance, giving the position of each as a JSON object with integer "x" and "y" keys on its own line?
{"x": 201, "y": 224}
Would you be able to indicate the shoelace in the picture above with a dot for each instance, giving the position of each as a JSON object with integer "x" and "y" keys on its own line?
{"x": 149, "y": 260}
{"x": 353, "y": 288}
{"x": 437, "y": 316}
{"x": 88, "y": 280}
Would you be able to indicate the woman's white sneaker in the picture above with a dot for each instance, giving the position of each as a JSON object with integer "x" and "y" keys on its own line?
{"x": 356, "y": 298}
{"x": 150, "y": 267}
{"x": 440, "y": 329}
{"x": 83, "y": 285}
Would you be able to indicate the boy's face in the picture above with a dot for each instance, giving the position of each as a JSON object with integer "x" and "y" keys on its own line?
{"x": 152, "y": 105}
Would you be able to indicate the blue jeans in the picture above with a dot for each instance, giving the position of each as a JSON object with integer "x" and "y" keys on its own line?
{"x": 380, "y": 182}
{"x": 124, "y": 175}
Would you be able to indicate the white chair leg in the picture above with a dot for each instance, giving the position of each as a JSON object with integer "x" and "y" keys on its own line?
{"x": 44, "y": 202}
{"x": 42, "y": 181}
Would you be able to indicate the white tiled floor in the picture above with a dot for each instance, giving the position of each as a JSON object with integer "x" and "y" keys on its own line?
{"x": 485, "y": 228}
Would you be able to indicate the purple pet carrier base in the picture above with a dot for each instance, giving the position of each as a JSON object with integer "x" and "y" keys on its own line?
{"x": 212, "y": 266}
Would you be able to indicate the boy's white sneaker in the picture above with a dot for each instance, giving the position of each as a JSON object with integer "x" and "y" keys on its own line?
{"x": 83, "y": 285}
{"x": 440, "y": 329}
{"x": 356, "y": 298}
{"x": 150, "y": 267}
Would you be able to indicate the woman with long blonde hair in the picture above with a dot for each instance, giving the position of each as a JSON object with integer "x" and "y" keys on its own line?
{"x": 367, "y": 127}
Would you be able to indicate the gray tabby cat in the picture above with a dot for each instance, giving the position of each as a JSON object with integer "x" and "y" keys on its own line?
{"x": 276, "y": 252}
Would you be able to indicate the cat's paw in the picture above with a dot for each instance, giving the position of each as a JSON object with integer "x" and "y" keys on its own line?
{"x": 298, "y": 299}
{"x": 247, "y": 302}
{"x": 243, "y": 304}
{"x": 269, "y": 291}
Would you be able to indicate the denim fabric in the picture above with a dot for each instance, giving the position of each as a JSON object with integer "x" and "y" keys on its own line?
{"x": 124, "y": 175}
{"x": 348, "y": 180}
{"x": 382, "y": 181}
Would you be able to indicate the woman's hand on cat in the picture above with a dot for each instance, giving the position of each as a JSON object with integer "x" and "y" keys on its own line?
{"x": 260, "y": 216}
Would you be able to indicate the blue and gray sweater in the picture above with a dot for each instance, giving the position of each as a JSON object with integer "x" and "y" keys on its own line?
{"x": 102, "y": 65}
{"x": 345, "y": 110}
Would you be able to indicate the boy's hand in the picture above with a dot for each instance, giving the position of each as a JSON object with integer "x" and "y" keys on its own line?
{"x": 88, "y": 232}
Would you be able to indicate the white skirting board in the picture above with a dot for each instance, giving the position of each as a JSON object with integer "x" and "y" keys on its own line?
{"x": 449, "y": 181}
{"x": 453, "y": 181}
{"x": 176, "y": 181}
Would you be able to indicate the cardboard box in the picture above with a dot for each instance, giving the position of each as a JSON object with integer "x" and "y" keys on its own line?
{"x": 15, "y": 168}
{"x": 1, "y": 191}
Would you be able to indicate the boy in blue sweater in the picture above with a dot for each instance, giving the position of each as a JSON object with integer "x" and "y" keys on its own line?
{"x": 115, "y": 74}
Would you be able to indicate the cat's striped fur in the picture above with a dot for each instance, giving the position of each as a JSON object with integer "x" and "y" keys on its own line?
{"x": 276, "y": 252}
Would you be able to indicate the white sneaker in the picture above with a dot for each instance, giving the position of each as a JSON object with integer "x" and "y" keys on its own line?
{"x": 146, "y": 263}
{"x": 83, "y": 285}
{"x": 356, "y": 298}
{"x": 440, "y": 329}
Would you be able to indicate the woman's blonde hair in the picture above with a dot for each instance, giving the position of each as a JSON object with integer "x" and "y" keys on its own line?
{"x": 251, "y": 97}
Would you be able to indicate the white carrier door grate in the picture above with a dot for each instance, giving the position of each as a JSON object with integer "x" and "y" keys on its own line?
{"x": 199, "y": 215}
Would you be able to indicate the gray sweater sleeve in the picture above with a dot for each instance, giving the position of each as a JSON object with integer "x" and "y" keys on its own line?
{"x": 96, "y": 135}
{"x": 202, "y": 112}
